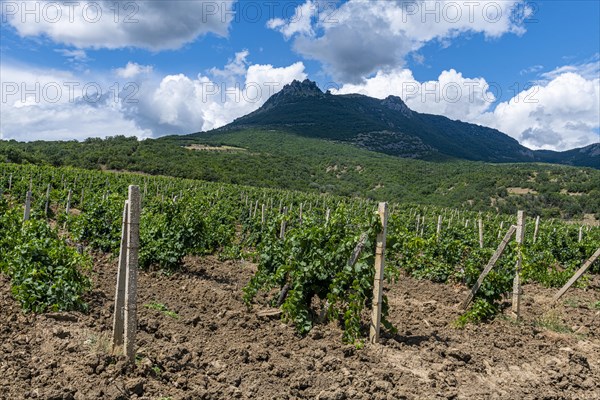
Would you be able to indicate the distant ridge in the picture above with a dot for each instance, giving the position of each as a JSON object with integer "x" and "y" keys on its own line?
{"x": 389, "y": 126}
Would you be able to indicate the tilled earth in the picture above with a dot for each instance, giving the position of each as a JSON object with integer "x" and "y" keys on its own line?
{"x": 211, "y": 347}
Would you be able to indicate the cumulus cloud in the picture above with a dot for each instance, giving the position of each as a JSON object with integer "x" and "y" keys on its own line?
{"x": 300, "y": 23}
{"x": 131, "y": 70}
{"x": 560, "y": 112}
{"x": 76, "y": 55}
{"x": 41, "y": 104}
{"x": 182, "y": 104}
{"x": 154, "y": 25}
{"x": 450, "y": 95}
{"x": 361, "y": 37}
{"x": 45, "y": 104}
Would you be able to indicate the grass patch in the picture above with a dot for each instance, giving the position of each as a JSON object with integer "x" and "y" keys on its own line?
{"x": 162, "y": 308}
{"x": 572, "y": 303}
{"x": 552, "y": 321}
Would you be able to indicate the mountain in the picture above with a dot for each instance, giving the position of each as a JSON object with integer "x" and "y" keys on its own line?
{"x": 389, "y": 126}
{"x": 588, "y": 156}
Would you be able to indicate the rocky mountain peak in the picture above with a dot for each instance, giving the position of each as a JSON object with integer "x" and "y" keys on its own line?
{"x": 304, "y": 88}
{"x": 395, "y": 103}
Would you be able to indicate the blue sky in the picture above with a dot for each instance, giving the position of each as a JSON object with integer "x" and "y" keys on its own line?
{"x": 529, "y": 69}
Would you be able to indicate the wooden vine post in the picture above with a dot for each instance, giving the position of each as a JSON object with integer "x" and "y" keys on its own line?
{"x": 577, "y": 275}
{"x": 283, "y": 224}
{"x": 491, "y": 263}
{"x": 480, "y": 223}
{"x": 379, "y": 268}
{"x": 118, "y": 317}
{"x": 69, "y": 197}
{"x": 536, "y": 229}
{"x": 47, "y": 205}
{"x": 439, "y": 228}
{"x": 27, "y": 211}
{"x": 516, "y": 297}
{"x": 125, "y": 318}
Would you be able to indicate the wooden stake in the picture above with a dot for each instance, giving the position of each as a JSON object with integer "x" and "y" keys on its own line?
{"x": 439, "y": 228}
{"x": 133, "y": 243}
{"x": 300, "y": 218}
{"x": 357, "y": 250}
{"x": 577, "y": 275}
{"x": 69, "y": 196}
{"x": 283, "y": 224}
{"x": 580, "y": 234}
{"x": 27, "y": 211}
{"x": 491, "y": 263}
{"x": 516, "y": 298}
{"x": 379, "y": 268}
{"x": 262, "y": 215}
{"x": 480, "y": 223}
{"x": 500, "y": 230}
{"x": 536, "y": 229}
{"x": 327, "y": 216}
{"x": 118, "y": 317}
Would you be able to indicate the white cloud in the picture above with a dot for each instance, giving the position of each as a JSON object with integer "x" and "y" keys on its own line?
{"x": 235, "y": 68}
{"x": 362, "y": 37}
{"x": 154, "y": 25}
{"x": 589, "y": 70}
{"x": 559, "y": 113}
{"x": 450, "y": 95}
{"x": 131, "y": 70}
{"x": 76, "y": 55}
{"x": 181, "y": 104}
{"x": 42, "y": 104}
{"x": 46, "y": 104}
{"x": 300, "y": 23}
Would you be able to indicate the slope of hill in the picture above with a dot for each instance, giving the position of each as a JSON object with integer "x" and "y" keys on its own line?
{"x": 389, "y": 126}
{"x": 588, "y": 156}
{"x": 282, "y": 160}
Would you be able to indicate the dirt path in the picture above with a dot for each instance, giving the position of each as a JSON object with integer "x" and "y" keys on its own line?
{"x": 213, "y": 348}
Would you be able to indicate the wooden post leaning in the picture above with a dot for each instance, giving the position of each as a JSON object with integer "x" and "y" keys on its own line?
{"x": 491, "y": 263}
{"x": 379, "y": 268}
{"x": 577, "y": 275}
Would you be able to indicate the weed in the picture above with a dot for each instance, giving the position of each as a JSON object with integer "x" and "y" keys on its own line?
{"x": 552, "y": 321}
{"x": 572, "y": 303}
{"x": 162, "y": 308}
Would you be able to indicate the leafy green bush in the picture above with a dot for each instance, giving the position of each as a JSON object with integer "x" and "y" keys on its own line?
{"x": 46, "y": 274}
{"x": 100, "y": 225}
{"x": 312, "y": 262}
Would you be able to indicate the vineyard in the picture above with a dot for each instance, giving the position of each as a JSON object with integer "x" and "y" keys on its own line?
{"x": 287, "y": 257}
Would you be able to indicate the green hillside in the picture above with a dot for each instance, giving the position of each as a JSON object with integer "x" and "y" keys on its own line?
{"x": 283, "y": 160}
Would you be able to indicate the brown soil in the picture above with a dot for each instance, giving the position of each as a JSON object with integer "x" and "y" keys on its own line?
{"x": 215, "y": 349}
